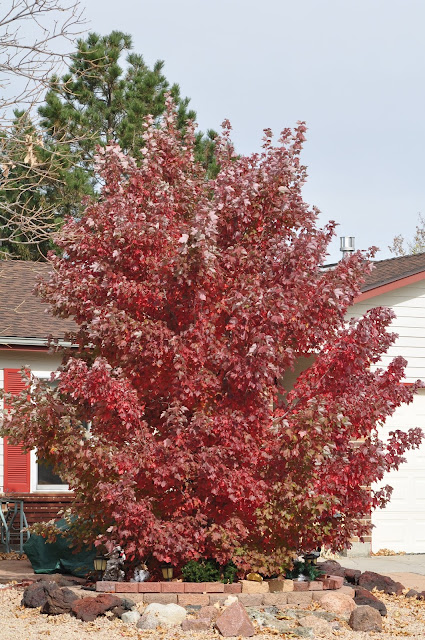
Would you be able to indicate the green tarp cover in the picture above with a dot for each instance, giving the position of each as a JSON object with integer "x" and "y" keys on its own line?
{"x": 58, "y": 557}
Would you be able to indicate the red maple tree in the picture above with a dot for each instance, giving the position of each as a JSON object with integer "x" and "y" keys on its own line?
{"x": 193, "y": 298}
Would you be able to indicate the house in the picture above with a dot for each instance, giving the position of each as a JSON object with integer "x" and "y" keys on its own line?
{"x": 24, "y": 327}
{"x": 398, "y": 283}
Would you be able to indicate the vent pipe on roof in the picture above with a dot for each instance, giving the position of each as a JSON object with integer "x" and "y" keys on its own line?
{"x": 347, "y": 245}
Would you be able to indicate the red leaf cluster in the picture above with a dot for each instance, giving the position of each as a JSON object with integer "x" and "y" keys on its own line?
{"x": 194, "y": 299}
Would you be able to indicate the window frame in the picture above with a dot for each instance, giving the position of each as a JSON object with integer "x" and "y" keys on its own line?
{"x": 34, "y": 486}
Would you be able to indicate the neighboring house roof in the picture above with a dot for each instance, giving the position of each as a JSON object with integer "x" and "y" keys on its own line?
{"x": 23, "y": 316}
{"x": 393, "y": 273}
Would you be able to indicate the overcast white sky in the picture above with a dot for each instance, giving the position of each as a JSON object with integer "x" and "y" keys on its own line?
{"x": 353, "y": 69}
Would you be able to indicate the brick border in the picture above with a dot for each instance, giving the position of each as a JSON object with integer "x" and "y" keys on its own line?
{"x": 242, "y": 587}
{"x": 293, "y": 598}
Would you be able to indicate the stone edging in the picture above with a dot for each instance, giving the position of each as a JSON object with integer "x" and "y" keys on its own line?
{"x": 293, "y": 598}
{"x": 206, "y": 593}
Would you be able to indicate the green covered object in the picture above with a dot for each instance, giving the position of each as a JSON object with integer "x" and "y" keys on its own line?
{"x": 58, "y": 557}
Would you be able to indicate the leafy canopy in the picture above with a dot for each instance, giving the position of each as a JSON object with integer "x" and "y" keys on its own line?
{"x": 193, "y": 299}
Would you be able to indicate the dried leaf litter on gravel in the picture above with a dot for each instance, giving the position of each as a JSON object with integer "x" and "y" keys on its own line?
{"x": 406, "y": 619}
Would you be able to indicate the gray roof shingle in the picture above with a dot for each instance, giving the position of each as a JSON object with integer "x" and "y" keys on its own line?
{"x": 22, "y": 313}
{"x": 392, "y": 269}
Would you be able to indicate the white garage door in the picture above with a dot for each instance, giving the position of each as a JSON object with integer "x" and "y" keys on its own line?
{"x": 401, "y": 525}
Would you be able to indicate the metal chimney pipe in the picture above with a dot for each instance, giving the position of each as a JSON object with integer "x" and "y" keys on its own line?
{"x": 347, "y": 245}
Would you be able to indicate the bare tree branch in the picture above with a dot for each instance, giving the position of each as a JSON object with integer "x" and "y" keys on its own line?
{"x": 33, "y": 37}
{"x": 36, "y": 39}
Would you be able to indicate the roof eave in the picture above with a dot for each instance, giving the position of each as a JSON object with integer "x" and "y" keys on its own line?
{"x": 390, "y": 286}
{"x": 32, "y": 342}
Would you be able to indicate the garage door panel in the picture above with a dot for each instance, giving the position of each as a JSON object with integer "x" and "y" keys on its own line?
{"x": 398, "y": 532}
{"x": 401, "y": 525}
{"x": 390, "y": 534}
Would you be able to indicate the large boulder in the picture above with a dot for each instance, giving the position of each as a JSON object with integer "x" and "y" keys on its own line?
{"x": 59, "y": 601}
{"x": 364, "y": 597}
{"x": 234, "y": 621}
{"x": 339, "y": 603}
{"x": 161, "y": 615}
{"x": 87, "y": 609}
{"x": 365, "y": 618}
{"x": 36, "y": 594}
{"x": 370, "y": 580}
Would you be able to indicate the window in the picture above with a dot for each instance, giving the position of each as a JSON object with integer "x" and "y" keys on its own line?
{"x": 44, "y": 478}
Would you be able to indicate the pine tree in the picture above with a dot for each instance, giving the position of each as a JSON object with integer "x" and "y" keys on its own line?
{"x": 102, "y": 100}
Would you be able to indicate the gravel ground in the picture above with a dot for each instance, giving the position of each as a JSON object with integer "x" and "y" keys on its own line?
{"x": 406, "y": 618}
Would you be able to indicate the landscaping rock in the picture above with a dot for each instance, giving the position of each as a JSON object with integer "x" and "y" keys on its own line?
{"x": 161, "y": 615}
{"x": 412, "y": 593}
{"x": 272, "y": 609}
{"x": 303, "y": 632}
{"x": 36, "y": 594}
{"x": 370, "y": 580}
{"x": 267, "y": 619}
{"x": 59, "y": 601}
{"x": 331, "y": 567}
{"x": 352, "y": 575}
{"x": 350, "y": 591}
{"x": 421, "y": 596}
{"x": 338, "y": 603}
{"x": 364, "y": 597}
{"x": 87, "y": 609}
{"x": 67, "y": 581}
{"x": 234, "y": 621}
{"x": 208, "y": 612}
{"x": 318, "y": 625}
{"x": 128, "y": 604}
{"x": 196, "y": 624}
{"x": 130, "y": 617}
{"x": 365, "y": 618}
{"x": 203, "y": 620}
{"x": 326, "y": 615}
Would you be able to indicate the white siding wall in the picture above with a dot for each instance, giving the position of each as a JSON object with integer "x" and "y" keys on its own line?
{"x": 401, "y": 525}
{"x": 409, "y": 305}
{"x": 39, "y": 361}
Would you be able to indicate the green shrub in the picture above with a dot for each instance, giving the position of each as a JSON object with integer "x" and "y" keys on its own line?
{"x": 229, "y": 573}
{"x": 310, "y": 571}
{"x": 209, "y": 571}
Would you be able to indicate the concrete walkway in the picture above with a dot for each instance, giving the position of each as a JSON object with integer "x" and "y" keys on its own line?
{"x": 387, "y": 564}
{"x": 17, "y": 570}
{"x": 409, "y": 569}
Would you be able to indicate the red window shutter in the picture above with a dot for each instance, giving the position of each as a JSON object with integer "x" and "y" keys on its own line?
{"x": 16, "y": 462}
